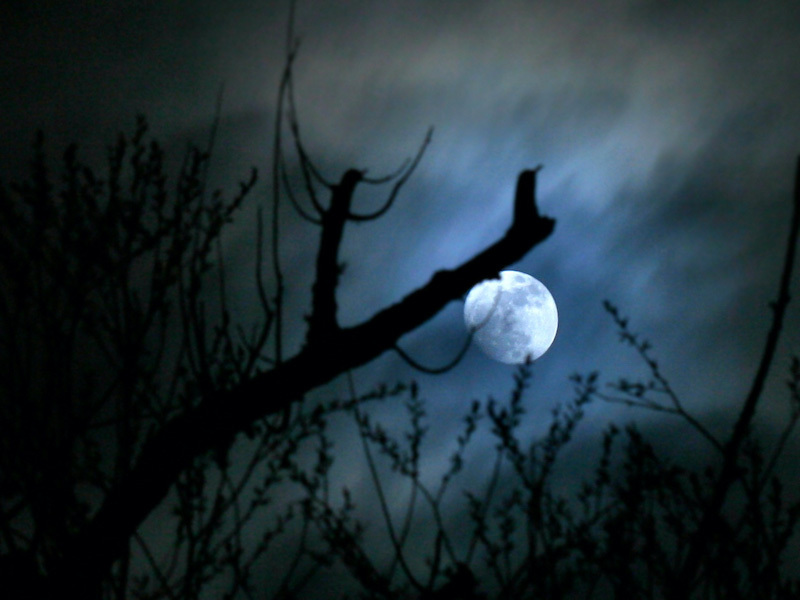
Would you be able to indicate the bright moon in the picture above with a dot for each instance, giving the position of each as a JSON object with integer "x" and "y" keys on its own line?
{"x": 512, "y": 318}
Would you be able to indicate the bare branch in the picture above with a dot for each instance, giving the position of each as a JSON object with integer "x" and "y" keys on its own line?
{"x": 397, "y": 186}
{"x": 434, "y": 370}
{"x": 730, "y": 466}
{"x": 322, "y": 322}
{"x": 222, "y": 414}
{"x": 300, "y": 210}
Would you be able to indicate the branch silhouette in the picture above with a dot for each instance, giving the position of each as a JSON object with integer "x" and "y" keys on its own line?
{"x": 222, "y": 414}
{"x": 729, "y": 472}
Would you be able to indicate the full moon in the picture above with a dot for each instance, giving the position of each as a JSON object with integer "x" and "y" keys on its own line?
{"x": 513, "y": 318}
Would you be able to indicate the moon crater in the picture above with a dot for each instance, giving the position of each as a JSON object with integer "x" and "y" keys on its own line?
{"x": 513, "y": 319}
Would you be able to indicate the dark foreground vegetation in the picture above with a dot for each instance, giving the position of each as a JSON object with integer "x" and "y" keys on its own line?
{"x": 129, "y": 390}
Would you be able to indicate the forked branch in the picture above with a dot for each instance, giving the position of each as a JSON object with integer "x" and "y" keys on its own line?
{"x": 223, "y": 414}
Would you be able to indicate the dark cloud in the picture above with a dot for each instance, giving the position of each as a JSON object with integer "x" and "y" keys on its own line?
{"x": 668, "y": 132}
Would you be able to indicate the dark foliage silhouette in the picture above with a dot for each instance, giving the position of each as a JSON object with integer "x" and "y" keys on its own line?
{"x": 120, "y": 385}
{"x": 129, "y": 391}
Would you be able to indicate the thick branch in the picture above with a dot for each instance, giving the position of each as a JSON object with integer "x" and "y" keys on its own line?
{"x": 322, "y": 321}
{"x": 224, "y": 414}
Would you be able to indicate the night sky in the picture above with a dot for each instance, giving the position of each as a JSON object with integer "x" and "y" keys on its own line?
{"x": 668, "y": 132}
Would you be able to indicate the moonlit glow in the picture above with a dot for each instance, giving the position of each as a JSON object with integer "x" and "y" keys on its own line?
{"x": 513, "y": 318}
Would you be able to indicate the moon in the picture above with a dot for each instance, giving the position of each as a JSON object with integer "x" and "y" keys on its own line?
{"x": 513, "y": 319}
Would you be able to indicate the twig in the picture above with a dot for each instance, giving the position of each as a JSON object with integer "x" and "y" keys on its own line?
{"x": 730, "y": 466}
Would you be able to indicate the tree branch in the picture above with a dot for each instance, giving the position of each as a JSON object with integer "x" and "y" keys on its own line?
{"x": 730, "y": 465}
{"x": 322, "y": 322}
{"x": 397, "y": 186}
{"x": 224, "y": 413}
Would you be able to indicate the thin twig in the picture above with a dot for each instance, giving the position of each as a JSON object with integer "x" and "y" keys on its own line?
{"x": 397, "y": 186}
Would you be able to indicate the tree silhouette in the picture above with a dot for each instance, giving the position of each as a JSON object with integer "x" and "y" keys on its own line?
{"x": 127, "y": 384}
{"x": 93, "y": 273}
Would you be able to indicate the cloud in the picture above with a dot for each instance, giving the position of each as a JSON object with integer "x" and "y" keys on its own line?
{"x": 668, "y": 133}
